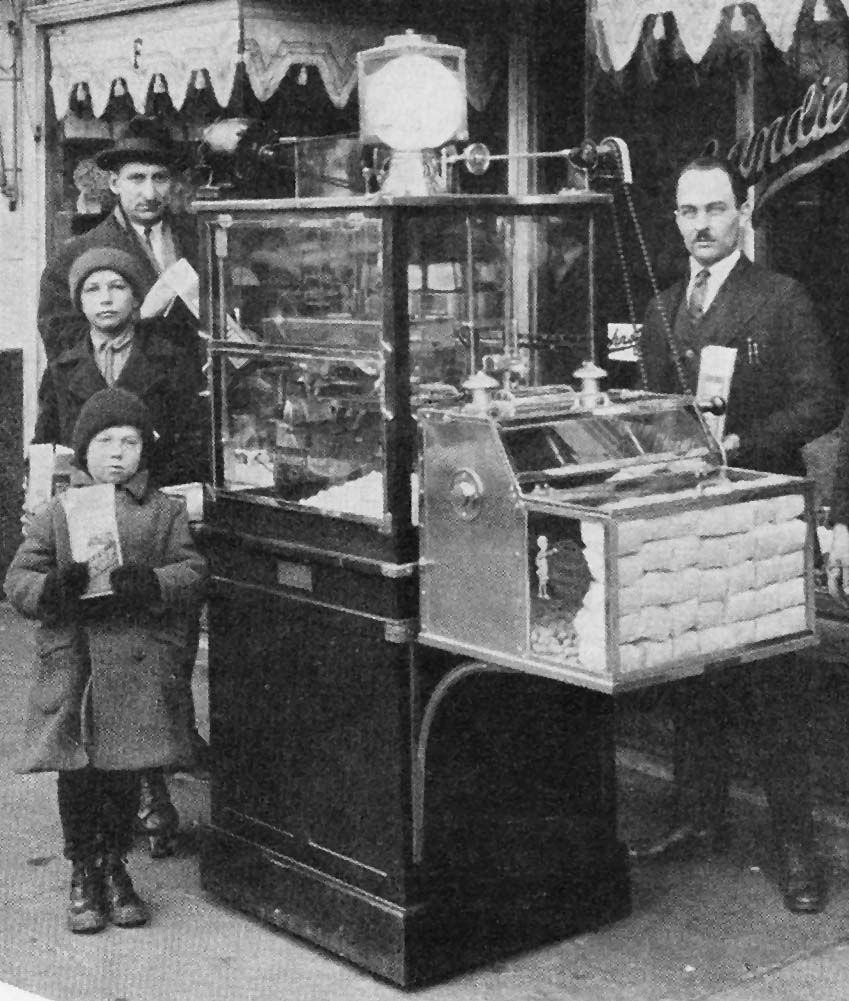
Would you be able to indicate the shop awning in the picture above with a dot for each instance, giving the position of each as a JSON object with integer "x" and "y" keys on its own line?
{"x": 169, "y": 45}
{"x": 169, "y": 42}
{"x": 617, "y": 26}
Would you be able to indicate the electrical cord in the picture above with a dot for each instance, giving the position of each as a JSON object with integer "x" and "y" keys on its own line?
{"x": 671, "y": 339}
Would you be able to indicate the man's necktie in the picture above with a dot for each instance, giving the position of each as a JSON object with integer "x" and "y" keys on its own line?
{"x": 148, "y": 246}
{"x": 698, "y": 294}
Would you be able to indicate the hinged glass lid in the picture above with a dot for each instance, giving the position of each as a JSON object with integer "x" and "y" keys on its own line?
{"x": 636, "y": 443}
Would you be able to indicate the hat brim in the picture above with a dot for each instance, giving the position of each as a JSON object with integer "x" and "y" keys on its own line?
{"x": 114, "y": 159}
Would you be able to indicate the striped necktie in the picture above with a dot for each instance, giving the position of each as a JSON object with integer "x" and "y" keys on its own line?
{"x": 698, "y": 294}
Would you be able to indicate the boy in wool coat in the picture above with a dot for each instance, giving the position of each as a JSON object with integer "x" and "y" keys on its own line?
{"x": 108, "y": 698}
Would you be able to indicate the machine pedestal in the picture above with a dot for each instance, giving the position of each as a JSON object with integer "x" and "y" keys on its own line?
{"x": 455, "y": 928}
{"x": 411, "y": 823}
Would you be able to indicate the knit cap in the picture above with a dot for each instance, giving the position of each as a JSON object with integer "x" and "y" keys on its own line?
{"x": 107, "y": 259}
{"x": 110, "y": 408}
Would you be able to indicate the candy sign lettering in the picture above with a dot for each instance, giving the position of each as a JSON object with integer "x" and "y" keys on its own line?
{"x": 795, "y": 144}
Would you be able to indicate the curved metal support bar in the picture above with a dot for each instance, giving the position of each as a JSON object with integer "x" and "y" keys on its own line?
{"x": 457, "y": 674}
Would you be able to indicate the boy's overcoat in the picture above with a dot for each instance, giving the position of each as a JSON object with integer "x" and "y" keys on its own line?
{"x": 108, "y": 687}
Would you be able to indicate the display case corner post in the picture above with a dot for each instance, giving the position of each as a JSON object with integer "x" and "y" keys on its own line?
{"x": 401, "y": 436}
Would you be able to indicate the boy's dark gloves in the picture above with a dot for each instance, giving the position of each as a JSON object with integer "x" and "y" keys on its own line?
{"x": 62, "y": 588}
{"x": 136, "y": 585}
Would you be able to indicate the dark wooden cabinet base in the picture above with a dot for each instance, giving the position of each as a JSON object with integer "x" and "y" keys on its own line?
{"x": 454, "y": 929}
{"x": 412, "y": 812}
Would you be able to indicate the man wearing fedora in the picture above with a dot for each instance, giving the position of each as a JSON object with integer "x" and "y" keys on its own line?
{"x": 141, "y": 166}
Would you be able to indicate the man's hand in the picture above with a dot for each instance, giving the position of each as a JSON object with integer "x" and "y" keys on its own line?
{"x": 838, "y": 563}
{"x": 731, "y": 443}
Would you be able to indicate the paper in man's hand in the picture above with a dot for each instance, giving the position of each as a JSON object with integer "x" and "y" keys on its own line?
{"x": 93, "y": 533}
{"x": 179, "y": 281}
{"x": 716, "y": 367}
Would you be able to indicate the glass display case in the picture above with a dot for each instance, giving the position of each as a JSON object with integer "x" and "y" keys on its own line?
{"x": 333, "y": 322}
{"x": 604, "y": 542}
{"x": 346, "y": 793}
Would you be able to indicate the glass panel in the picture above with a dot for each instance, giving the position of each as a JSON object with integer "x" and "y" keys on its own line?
{"x": 302, "y": 419}
{"x": 456, "y": 281}
{"x": 484, "y": 286}
{"x": 302, "y": 336}
{"x": 620, "y": 447}
{"x": 306, "y": 429}
{"x": 306, "y": 280}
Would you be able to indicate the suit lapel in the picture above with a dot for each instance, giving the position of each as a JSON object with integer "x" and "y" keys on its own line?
{"x": 735, "y": 303}
{"x": 134, "y": 243}
{"x": 672, "y": 299}
{"x": 117, "y": 231}
{"x": 185, "y": 238}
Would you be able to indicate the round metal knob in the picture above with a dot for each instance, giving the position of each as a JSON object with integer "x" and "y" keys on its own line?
{"x": 466, "y": 493}
{"x": 477, "y": 158}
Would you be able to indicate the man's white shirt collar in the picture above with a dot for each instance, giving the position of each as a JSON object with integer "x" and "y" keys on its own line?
{"x": 155, "y": 229}
{"x": 718, "y": 272}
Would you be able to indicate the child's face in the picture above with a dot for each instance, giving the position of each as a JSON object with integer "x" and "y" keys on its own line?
{"x": 108, "y": 301}
{"x": 114, "y": 454}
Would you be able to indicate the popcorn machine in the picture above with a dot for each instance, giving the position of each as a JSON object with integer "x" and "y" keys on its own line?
{"x": 430, "y": 571}
{"x": 409, "y": 809}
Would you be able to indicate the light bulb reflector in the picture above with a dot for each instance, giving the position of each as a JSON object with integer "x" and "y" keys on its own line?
{"x": 414, "y": 102}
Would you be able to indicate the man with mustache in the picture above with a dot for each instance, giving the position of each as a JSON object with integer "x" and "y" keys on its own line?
{"x": 783, "y": 395}
{"x": 141, "y": 167}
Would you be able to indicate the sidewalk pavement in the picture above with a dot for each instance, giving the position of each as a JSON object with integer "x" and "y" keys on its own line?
{"x": 713, "y": 930}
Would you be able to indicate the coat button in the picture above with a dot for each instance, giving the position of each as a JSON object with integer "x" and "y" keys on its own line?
{"x": 689, "y": 354}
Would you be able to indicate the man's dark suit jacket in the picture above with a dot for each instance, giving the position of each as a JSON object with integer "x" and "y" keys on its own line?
{"x": 840, "y": 496}
{"x": 783, "y": 393}
{"x": 59, "y": 323}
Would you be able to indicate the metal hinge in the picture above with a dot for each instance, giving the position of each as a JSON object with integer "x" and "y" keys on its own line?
{"x": 400, "y": 630}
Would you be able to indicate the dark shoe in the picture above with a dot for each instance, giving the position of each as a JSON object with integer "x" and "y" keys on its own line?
{"x": 85, "y": 907}
{"x": 157, "y": 817}
{"x": 679, "y": 843}
{"x": 123, "y": 905}
{"x": 800, "y": 878}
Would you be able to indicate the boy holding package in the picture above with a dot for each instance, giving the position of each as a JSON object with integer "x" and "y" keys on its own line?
{"x": 108, "y": 698}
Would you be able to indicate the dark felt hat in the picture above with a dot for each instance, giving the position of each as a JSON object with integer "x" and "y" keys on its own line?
{"x": 106, "y": 258}
{"x": 109, "y": 408}
{"x": 145, "y": 141}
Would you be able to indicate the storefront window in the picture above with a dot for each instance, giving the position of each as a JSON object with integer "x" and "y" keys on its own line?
{"x": 669, "y": 103}
{"x": 320, "y": 154}
{"x": 303, "y": 116}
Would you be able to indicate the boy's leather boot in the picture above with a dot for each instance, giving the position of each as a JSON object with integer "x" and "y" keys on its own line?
{"x": 157, "y": 815}
{"x": 85, "y": 906}
{"x": 123, "y": 905}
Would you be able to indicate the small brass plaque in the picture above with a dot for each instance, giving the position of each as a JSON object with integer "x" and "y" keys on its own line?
{"x": 291, "y": 574}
